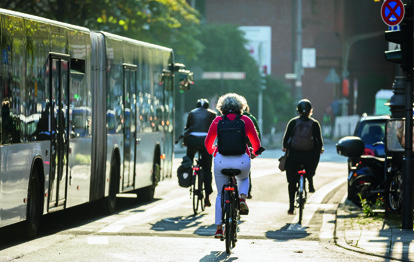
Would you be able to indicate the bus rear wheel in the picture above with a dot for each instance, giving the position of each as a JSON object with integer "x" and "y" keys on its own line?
{"x": 147, "y": 193}
{"x": 34, "y": 205}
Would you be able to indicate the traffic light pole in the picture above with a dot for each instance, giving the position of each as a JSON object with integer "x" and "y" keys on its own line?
{"x": 407, "y": 23}
{"x": 407, "y": 219}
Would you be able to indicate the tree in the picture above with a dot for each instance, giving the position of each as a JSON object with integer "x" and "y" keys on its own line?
{"x": 171, "y": 23}
{"x": 225, "y": 52}
{"x": 279, "y": 105}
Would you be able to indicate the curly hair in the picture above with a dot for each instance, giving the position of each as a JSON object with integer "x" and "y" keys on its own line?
{"x": 231, "y": 102}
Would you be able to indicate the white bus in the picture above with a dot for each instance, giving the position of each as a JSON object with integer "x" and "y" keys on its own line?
{"x": 85, "y": 115}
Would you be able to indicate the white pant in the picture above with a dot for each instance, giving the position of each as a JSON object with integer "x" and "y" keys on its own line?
{"x": 241, "y": 162}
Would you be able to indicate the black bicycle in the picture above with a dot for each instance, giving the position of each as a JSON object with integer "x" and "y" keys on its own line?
{"x": 230, "y": 208}
{"x": 301, "y": 193}
{"x": 197, "y": 188}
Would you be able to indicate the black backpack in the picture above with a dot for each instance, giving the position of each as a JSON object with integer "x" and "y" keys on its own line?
{"x": 185, "y": 172}
{"x": 302, "y": 138}
{"x": 231, "y": 136}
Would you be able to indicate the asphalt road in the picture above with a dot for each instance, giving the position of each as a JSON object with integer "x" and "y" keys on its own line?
{"x": 167, "y": 230}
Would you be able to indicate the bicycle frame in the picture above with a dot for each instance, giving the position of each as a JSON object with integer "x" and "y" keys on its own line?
{"x": 197, "y": 188}
{"x": 230, "y": 212}
{"x": 302, "y": 194}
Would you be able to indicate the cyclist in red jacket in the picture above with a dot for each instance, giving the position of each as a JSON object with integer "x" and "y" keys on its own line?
{"x": 231, "y": 104}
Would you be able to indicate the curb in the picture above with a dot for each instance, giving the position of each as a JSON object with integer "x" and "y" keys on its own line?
{"x": 340, "y": 238}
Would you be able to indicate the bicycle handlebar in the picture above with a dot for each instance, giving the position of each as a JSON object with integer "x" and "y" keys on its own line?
{"x": 260, "y": 151}
{"x": 257, "y": 153}
{"x": 179, "y": 138}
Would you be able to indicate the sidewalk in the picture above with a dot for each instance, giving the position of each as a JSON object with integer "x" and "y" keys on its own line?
{"x": 380, "y": 235}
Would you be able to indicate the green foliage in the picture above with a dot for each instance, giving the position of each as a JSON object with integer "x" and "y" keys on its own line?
{"x": 225, "y": 52}
{"x": 171, "y": 23}
{"x": 366, "y": 206}
{"x": 278, "y": 105}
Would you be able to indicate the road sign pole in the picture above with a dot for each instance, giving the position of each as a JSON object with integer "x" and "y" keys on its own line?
{"x": 407, "y": 218}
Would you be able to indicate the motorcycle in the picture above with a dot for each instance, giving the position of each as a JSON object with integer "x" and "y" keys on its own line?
{"x": 372, "y": 178}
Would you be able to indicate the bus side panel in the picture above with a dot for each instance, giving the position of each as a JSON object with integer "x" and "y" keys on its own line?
{"x": 168, "y": 117}
{"x": 14, "y": 165}
{"x": 14, "y": 178}
{"x": 99, "y": 173}
{"x": 114, "y": 89}
{"x": 80, "y": 120}
{"x": 37, "y": 82}
{"x": 146, "y": 113}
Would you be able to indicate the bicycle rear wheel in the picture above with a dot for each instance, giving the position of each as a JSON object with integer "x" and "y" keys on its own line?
{"x": 301, "y": 198}
{"x": 195, "y": 193}
{"x": 234, "y": 224}
{"x": 395, "y": 192}
{"x": 201, "y": 188}
{"x": 229, "y": 227}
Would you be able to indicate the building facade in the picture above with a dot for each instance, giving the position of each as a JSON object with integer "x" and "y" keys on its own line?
{"x": 330, "y": 27}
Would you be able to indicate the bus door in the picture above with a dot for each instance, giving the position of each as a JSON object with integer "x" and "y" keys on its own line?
{"x": 59, "y": 85}
{"x": 129, "y": 102}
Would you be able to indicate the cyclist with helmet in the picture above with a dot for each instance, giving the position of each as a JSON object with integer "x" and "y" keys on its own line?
{"x": 309, "y": 158}
{"x": 231, "y": 105}
{"x": 246, "y": 112}
{"x": 198, "y": 123}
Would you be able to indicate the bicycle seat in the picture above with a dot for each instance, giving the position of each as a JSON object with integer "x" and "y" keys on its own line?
{"x": 230, "y": 172}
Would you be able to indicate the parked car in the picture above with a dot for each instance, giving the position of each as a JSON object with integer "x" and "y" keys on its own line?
{"x": 371, "y": 130}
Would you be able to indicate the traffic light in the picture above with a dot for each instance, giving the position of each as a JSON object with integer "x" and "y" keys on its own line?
{"x": 185, "y": 79}
{"x": 263, "y": 82}
{"x": 403, "y": 38}
{"x": 395, "y": 56}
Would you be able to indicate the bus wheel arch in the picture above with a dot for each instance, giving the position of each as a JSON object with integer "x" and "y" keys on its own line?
{"x": 34, "y": 199}
{"x": 156, "y": 166}
{"x": 147, "y": 193}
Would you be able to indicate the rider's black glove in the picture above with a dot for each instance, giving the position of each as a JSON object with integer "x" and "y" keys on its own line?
{"x": 258, "y": 152}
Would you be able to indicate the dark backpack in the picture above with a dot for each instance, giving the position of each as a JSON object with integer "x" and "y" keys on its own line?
{"x": 302, "y": 138}
{"x": 185, "y": 172}
{"x": 231, "y": 136}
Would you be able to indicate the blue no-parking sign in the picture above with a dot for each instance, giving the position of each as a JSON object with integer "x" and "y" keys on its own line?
{"x": 392, "y": 12}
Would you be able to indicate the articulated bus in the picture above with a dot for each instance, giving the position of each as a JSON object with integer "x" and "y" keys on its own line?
{"x": 85, "y": 115}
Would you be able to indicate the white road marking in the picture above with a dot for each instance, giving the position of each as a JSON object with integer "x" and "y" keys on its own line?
{"x": 112, "y": 228}
{"x": 97, "y": 240}
{"x": 320, "y": 194}
{"x": 143, "y": 217}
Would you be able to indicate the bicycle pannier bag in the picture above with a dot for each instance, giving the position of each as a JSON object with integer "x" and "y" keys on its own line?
{"x": 185, "y": 172}
{"x": 302, "y": 139}
{"x": 231, "y": 136}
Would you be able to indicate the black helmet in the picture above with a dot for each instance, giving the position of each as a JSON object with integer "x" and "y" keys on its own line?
{"x": 304, "y": 106}
{"x": 202, "y": 103}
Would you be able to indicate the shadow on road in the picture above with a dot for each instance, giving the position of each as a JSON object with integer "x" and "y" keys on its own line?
{"x": 218, "y": 256}
{"x": 177, "y": 223}
{"x": 66, "y": 219}
{"x": 285, "y": 234}
{"x": 181, "y": 223}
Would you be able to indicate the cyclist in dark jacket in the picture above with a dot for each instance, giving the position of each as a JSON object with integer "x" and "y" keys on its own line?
{"x": 246, "y": 112}
{"x": 309, "y": 159}
{"x": 198, "y": 123}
